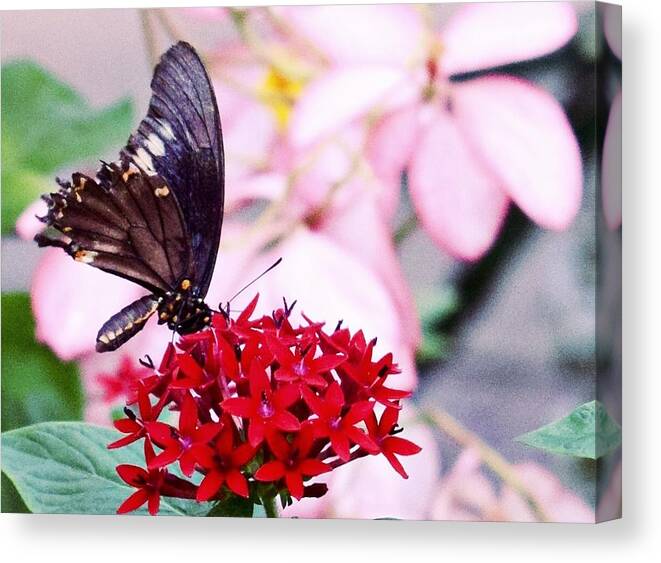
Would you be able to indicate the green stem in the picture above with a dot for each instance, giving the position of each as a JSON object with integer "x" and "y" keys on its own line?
{"x": 409, "y": 225}
{"x": 270, "y": 507}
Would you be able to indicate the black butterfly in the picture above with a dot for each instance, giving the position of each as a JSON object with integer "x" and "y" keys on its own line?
{"x": 154, "y": 216}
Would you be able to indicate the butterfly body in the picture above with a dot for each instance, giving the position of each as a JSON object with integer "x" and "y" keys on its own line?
{"x": 154, "y": 216}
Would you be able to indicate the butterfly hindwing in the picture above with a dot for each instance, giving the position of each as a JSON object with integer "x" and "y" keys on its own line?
{"x": 180, "y": 140}
{"x": 123, "y": 222}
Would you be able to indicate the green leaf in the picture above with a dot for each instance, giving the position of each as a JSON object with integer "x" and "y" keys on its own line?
{"x": 587, "y": 432}
{"x": 45, "y": 125}
{"x": 66, "y": 468}
{"x": 36, "y": 386}
{"x": 233, "y": 506}
{"x": 10, "y": 500}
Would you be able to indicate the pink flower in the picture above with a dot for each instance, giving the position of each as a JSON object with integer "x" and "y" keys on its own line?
{"x": 465, "y": 493}
{"x": 470, "y": 147}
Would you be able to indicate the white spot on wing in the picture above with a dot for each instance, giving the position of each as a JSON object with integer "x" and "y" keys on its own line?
{"x": 155, "y": 145}
{"x": 143, "y": 160}
{"x": 166, "y": 130}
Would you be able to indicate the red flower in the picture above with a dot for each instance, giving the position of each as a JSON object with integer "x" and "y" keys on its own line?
{"x": 123, "y": 383}
{"x": 291, "y": 397}
{"x": 371, "y": 376}
{"x": 293, "y": 461}
{"x": 135, "y": 426}
{"x": 340, "y": 428}
{"x": 151, "y": 484}
{"x": 223, "y": 463}
{"x": 303, "y": 369}
{"x": 264, "y": 408}
{"x": 179, "y": 444}
{"x": 389, "y": 444}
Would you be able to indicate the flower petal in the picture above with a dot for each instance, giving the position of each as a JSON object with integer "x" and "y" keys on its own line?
{"x": 27, "y": 224}
{"x": 294, "y": 483}
{"x": 237, "y": 483}
{"x": 71, "y": 301}
{"x": 313, "y": 467}
{"x": 130, "y": 474}
{"x": 458, "y": 202}
{"x": 135, "y": 501}
{"x": 270, "y": 471}
{"x": 210, "y": 485}
{"x": 391, "y": 34}
{"x": 326, "y": 106}
{"x": 401, "y": 446}
{"x": 239, "y": 406}
{"x": 362, "y": 213}
{"x": 391, "y": 143}
{"x": 484, "y": 35}
{"x": 523, "y": 135}
{"x": 286, "y": 421}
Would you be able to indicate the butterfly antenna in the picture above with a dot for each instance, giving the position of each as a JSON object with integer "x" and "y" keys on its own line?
{"x": 256, "y": 279}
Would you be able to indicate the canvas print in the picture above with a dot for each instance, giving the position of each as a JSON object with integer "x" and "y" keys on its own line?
{"x": 313, "y": 262}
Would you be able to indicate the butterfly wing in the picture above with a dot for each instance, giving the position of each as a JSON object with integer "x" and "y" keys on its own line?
{"x": 124, "y": 222}
{"x": 180, "y": 140}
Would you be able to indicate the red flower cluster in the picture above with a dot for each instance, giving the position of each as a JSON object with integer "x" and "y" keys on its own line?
{"x": 262, "y": 408}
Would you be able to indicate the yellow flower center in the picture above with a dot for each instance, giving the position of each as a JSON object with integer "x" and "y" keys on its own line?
{"x": 280, "y": 92}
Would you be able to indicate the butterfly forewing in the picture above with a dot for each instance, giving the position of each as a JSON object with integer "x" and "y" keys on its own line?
{"x": 180, "y": 140}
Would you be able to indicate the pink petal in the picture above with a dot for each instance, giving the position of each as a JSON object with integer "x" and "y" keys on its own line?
{"x": 329, "y": 165}
{"x": 213, "y": 14}
{"x": 338, "y": 97}
{"x": 360, "y": 213}
{"x": 71, "y": 301}
{"x": 27, "y": 224}
{"x": 238, "y": 248}
{"x": 388, "y": 34}
{"x": 391, "y": 143}
{"x": 457, "y": 200}
{"x": 522, "y": 134}
{"x": 484, "y": 35}
{"x": 611, "y": 166}
{"x": 249, "y": 127}
{"x": 268, "y": 186}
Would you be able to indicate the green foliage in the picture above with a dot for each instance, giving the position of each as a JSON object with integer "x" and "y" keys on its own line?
{"x": 66, "y": 468}
{"x": 36, "y": 386}
{"x": 233, "y": 506}
{"x": 46, "y": 125}
{"x": 433, "y": 309}
{"x": 588, "y": 432}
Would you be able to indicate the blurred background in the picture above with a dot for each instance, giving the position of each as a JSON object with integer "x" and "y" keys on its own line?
{"x": 430, "y": 174}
